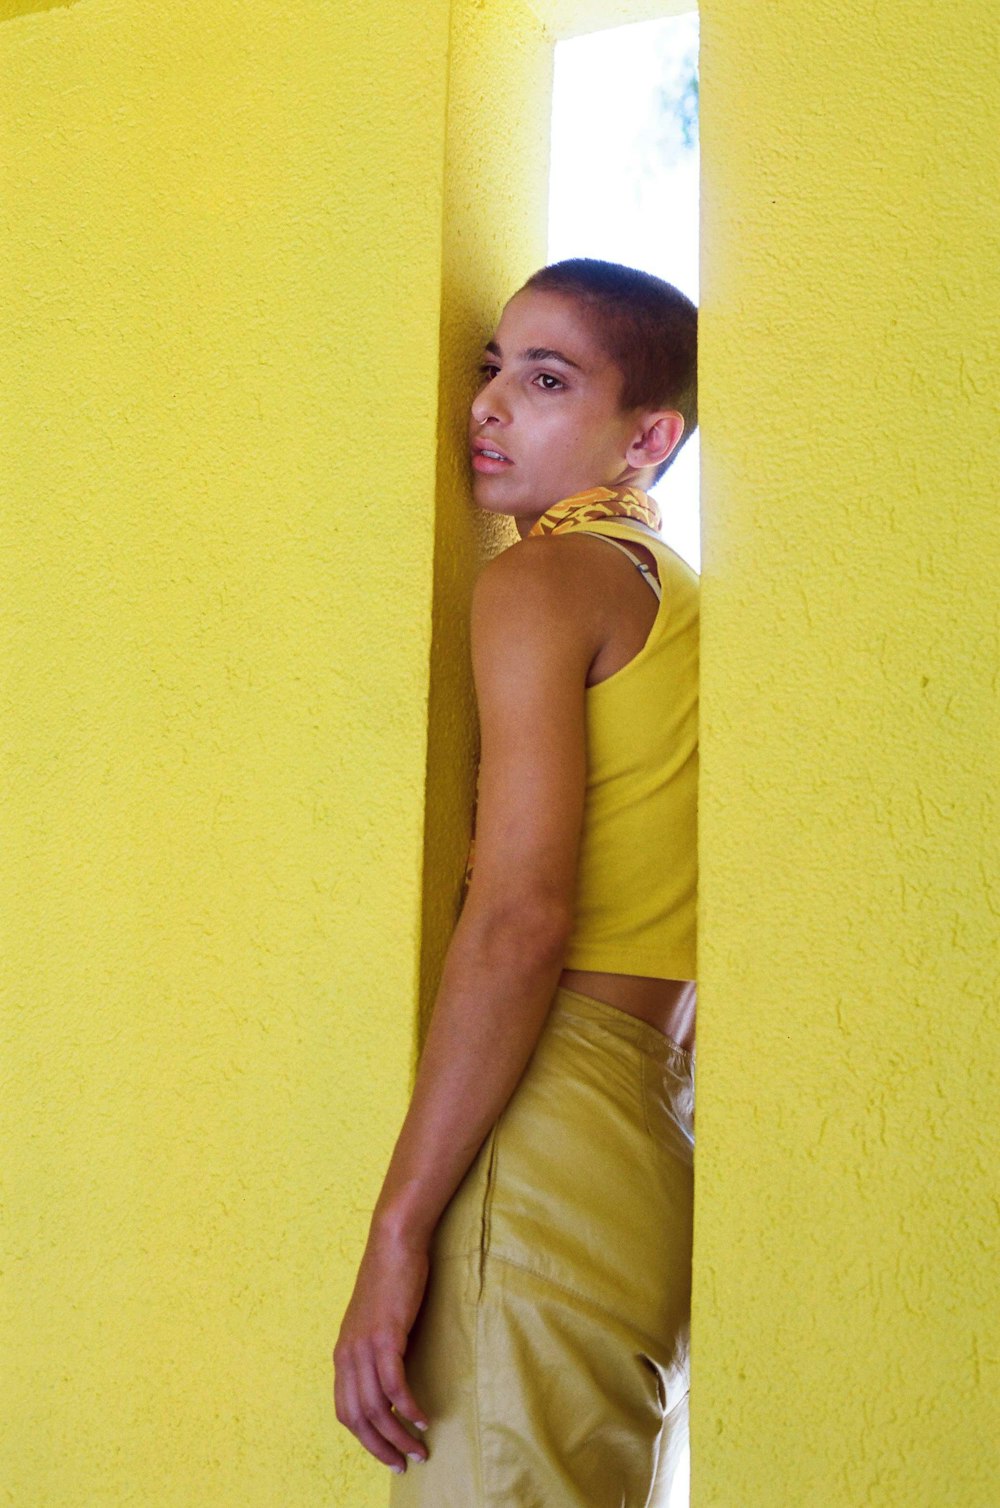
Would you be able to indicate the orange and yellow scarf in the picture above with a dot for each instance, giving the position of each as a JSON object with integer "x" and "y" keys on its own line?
{"x": 598, "y": 502}
{"x": 581, "y": 508}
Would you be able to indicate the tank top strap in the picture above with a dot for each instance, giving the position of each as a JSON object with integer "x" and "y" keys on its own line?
{"x": 640, "y": 565}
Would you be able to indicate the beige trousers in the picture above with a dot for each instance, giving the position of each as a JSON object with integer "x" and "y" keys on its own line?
{"x": 552, "y": 1347}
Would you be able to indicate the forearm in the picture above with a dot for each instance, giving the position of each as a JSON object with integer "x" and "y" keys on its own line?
{"x": 491, "y": 1005}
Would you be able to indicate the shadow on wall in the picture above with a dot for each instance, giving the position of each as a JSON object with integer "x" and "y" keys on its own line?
{"x": 11, "y": 8}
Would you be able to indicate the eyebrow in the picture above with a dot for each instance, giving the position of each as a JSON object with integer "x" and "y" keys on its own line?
{"x": 536, "y": 353}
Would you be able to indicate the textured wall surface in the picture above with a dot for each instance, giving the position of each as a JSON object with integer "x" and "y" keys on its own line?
{"x": 496, "y": 187}
{"x": 574, "y": 18}
{"x": 845, "y": 1329}
{"x": 221, "y": 291}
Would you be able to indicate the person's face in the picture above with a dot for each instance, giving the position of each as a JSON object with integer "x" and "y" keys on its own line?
{"x": 548, "y": 408}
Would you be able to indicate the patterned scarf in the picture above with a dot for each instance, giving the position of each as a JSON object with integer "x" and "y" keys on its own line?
{"x": 581, "y": 508}
{"x": 599, "y": 502}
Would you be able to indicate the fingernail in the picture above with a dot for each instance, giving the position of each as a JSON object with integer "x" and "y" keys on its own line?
{"x": 411, "y": 1455}
{"x": 421, "y": 1424}
{"x": 396, "y": 1469}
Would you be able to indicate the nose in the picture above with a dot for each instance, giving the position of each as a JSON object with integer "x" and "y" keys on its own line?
{"x": 490, "y": 406}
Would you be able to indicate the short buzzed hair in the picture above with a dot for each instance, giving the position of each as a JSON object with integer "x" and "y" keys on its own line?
{"x": 647, "y": 327}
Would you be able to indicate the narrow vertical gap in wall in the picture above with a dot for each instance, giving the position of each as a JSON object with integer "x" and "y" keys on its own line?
{"x": 624, "y": 185}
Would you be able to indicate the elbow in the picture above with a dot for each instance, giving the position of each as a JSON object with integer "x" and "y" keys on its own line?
{"x": 536, "y": 934}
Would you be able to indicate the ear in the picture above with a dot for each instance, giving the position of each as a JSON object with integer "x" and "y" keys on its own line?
{"x": 660, "y": 433}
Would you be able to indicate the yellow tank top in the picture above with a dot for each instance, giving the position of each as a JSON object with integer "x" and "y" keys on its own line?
{"x": 637, "y": 880}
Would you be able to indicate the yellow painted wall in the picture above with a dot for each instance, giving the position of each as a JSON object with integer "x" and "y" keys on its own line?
{"x": 221, "y": 290}
{"x": 846, "y": 1303}
{"x": 494, "y": 237}
{"x": 563, "y": 19}
{"x": 240, "y": 244}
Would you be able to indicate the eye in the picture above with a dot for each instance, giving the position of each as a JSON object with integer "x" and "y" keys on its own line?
{"x": 545, "y": 378}
{"x": 488, "y": 371}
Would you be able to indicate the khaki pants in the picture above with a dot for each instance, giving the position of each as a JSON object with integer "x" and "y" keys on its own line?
{"x": 552, "y": 1347}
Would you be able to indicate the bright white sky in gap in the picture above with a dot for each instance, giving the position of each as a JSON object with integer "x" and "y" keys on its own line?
{"x": 612, "y": 194}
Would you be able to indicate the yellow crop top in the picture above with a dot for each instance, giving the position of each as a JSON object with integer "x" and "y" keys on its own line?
{"x": 637, "y": 879}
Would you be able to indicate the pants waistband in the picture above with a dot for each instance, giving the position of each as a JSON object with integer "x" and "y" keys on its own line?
{"x": 571, "y": 1004}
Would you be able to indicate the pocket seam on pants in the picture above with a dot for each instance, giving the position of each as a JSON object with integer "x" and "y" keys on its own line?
{"x": 643, "y": 1093}
{"x": 484, "y": 1226}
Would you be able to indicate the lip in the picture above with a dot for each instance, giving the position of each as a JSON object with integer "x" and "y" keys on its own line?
{"x": 489, "y": 465}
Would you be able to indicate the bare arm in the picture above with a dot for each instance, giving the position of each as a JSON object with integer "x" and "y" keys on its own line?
{"x": 530, "y": 660}
{"x": 496, "y": 986}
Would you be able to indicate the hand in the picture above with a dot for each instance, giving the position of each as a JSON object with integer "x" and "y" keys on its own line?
{"x": 368, "y": 1358}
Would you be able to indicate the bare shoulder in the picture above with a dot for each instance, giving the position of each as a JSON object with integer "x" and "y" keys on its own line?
{"x": 537, "y": 559}
{"x": 535, "y": 594}
{"x": 548, "y": 575}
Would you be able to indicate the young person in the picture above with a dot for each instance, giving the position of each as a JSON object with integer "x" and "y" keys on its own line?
{"x": 518, "y": 1333}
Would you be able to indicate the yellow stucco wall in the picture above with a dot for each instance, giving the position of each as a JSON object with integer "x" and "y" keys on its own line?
{"x": 846, "y": 1293}
{"x": 563, "y": 19}
{"x": 240, "y": 244}
{"x": 494, "y": 235}
{"x": 221, "y": 290}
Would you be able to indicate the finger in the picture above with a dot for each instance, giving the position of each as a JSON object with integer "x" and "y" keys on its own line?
{"x": 392, "y": 1376}
{"x": 351, "y": 1413}
{"x": 375, "y": 1405}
